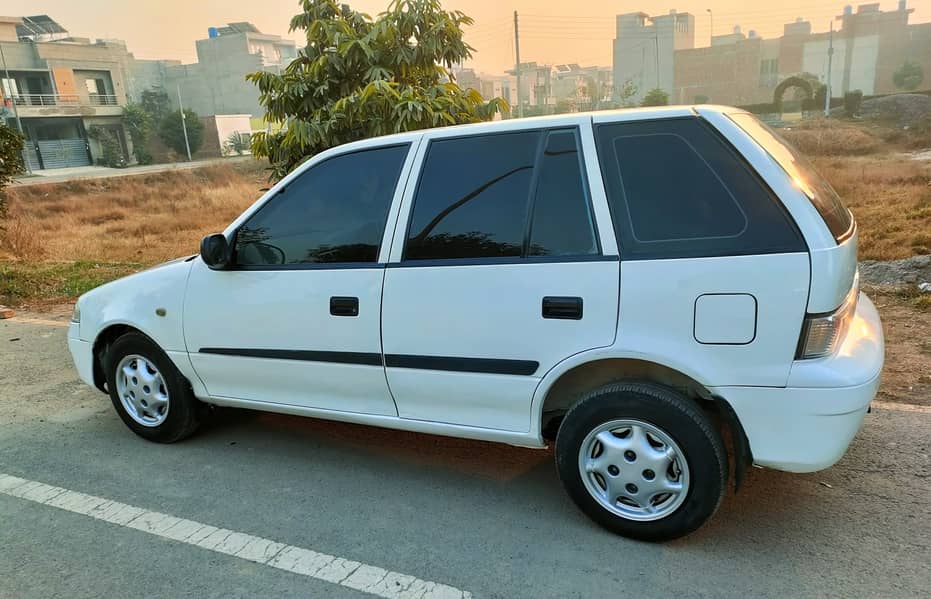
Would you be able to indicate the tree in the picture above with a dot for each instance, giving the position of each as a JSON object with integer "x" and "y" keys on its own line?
{"x": 908, "y": 76}
{"x": 156, "y": 103}
{"x": 139, "y": 122}
{"x": 626, "y": 93}
{"x": 171, "y": 131}
{"x": 11, "y": 159}
{"x": 11, "y": 154}
{"x": 655, "y": 97}
{"x": 359, "y": 77}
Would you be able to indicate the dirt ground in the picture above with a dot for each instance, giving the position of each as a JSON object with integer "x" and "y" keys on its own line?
{"x": 907, "y": 371}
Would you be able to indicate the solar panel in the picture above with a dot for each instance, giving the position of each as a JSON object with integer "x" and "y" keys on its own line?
{"x": 39, "y": 25}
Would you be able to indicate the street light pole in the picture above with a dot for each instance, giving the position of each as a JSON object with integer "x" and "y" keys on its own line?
{"x": 187, "y": 145}
{"x": 19, "y": 123}
{"x": 711, "y": 16}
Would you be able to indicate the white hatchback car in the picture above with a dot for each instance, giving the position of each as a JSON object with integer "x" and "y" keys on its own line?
{"x": 635, "y": 285}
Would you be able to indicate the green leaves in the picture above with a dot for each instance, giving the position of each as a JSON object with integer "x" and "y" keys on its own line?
{"x": 11, "y": 154}
{"x": 359, "y": 77}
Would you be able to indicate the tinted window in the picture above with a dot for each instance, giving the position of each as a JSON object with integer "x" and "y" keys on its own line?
{"x": 819, "y": 191}
{"x": 562, "y": 222}
{"x": 471, "y": 201}
{"x": 333, "y": 212}
{"x": 677, "y": 189}
{"x": 689, "y": 203}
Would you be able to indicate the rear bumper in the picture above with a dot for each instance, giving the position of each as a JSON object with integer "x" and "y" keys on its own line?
{"x": 809, "y": 424}
{"x": 82, "y": 353}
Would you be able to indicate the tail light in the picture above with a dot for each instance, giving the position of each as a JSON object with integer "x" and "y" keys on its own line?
{"x": 821, "y": 333}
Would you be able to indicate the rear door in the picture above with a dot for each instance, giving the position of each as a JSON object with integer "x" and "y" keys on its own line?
{"x": 715, "y": 273}
{"x": 496, "y": 275}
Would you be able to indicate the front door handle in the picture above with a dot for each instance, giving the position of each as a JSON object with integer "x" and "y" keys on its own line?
{"x": 344, "y": 306}
{"x": 562, "y": 308}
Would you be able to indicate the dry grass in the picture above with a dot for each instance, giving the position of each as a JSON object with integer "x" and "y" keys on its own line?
{"x": 142, "y": 219}
{"x": 890, "y": 196}
{"x": 834, "y": 138}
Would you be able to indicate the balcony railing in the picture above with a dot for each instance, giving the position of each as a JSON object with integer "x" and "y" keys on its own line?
{"x": 65, "y": 100}
{"x": 102, "y": 100}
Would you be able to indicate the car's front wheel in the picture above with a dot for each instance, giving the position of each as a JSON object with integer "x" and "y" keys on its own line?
{"x": 642, "y": 460}
{"x": 149, "y": 393}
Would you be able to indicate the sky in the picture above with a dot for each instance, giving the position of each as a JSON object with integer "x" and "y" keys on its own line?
{"x": 551, "y": 32}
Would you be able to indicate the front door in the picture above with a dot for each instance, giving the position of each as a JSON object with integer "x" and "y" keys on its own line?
{"x": 295, "y": 321}
{"x": 500, "y": 276}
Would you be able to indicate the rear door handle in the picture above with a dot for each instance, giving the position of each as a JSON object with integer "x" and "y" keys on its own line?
{"x": 562, "y": 308}
{"x": 344, "y": 306}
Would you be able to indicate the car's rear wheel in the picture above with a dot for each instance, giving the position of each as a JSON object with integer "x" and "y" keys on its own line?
{"x": 642, "y": 460}
{"x": 149, "y": 393}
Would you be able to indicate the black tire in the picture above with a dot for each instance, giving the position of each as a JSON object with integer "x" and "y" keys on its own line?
{"x": 184, "y": 409}
{"x": 672, "y": 413}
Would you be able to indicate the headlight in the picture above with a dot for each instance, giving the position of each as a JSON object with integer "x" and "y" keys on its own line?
{"x": 76, "y": 313}
{"x": 821, "y": 333}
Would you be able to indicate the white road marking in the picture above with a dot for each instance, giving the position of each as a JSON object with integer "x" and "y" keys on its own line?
{"x": 298, "y": 560}
{"x": 901, "y": 407}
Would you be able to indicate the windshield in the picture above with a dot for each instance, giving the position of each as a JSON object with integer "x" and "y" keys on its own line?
{"x": 836, "y": 216}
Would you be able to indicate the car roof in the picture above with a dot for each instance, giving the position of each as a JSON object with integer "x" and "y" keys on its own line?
{"x": 555, "y": 120}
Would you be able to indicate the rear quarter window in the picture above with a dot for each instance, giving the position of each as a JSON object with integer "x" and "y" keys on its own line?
{"x": 678, "y": 190}
{"x": 828, "y": 203}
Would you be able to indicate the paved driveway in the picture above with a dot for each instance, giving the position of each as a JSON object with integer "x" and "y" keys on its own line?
{"x": 308, "y": 508}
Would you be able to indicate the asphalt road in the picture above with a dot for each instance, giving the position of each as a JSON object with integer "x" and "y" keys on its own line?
{"x": 484, "y": 519}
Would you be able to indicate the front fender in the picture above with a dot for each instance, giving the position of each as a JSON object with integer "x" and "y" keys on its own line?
{"x": 151, "y": 301}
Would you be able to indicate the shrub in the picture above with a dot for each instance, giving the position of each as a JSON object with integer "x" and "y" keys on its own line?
{"x": 909, "y": 76}
{"x": 852, "y": 102}
{"x": 237, "y": 143}
{"x": 111, "y": 154}
{"x": 171, "y": 131}
{"x": 655, "y": 97}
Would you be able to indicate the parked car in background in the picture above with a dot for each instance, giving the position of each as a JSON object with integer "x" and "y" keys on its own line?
{"x": 635, "y": 286}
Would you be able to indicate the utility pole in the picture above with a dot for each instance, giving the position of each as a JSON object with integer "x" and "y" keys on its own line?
{"x": 187, "y": 145}
{"x": 19, "y": 123}
{"x": 827, "y": 95}
{"x": 520, "y": 103}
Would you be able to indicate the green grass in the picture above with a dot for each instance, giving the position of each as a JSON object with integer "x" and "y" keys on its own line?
{"x": 56, "y": 281}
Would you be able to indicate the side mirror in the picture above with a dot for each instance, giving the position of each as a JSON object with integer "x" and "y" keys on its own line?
{"x": 216, "y": 252}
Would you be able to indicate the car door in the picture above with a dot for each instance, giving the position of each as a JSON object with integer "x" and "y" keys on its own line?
{"x": 496, "y": 277}
{"x": 295, "y": 320}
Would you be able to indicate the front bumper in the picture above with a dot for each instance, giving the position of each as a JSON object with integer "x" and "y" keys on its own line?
{"x": 82, "y": 352}
{"x": 808, "y": 425}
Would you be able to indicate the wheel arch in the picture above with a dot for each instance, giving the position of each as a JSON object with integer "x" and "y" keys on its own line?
{"x": 561, "y": 389}
{"x": 107, "y": 335}
{"x": 565, "y": 384}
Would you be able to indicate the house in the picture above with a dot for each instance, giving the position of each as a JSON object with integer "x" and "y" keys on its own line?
{"x": 59, "y": 88}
